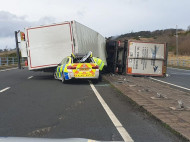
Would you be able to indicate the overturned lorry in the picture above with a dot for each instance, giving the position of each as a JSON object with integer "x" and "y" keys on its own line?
{"x": 137, "y": 58}
{"x": 45, "y": 46}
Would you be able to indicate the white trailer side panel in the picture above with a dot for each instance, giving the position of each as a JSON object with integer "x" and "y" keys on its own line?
{"x": 87, "y": 40}
{"x": 48, "y": 45}
{"x": 146, "y": 50}
{"x": 145, "y": 67}
{"x": 146, "y": 58}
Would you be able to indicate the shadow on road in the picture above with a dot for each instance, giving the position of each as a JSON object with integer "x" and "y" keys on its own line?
{"x": 77, "y": 82}
{"x": 70, "y": 82}
{"x": 43, "y": 77}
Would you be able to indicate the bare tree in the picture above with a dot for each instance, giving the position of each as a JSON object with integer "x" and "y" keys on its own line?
{"x": 6, "y": 48}
{"x": 188, "y": 28}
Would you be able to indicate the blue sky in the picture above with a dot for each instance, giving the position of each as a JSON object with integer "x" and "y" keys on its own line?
{"x": 108, "y": 17}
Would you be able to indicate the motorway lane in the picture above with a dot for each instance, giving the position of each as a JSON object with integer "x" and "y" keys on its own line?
{"x": 43, "y": 102}
{"x": 178, "y": 77}
{"x": 13, "y": 77}
{"x": 44, "y": 107}
{"x": 141, "y": 127}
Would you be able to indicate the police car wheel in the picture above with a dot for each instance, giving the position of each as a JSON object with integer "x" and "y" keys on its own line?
{"x": 55, "y": 76}
{"x": 63, "y": 79}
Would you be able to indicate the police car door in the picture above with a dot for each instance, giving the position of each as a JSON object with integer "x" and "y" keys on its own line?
{"x": 65, "y": 64}
{"x": 60, "y": 67}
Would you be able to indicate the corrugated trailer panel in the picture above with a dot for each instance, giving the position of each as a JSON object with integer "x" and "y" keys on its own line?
{"x": 146, "y": 50}
{"x": 87, "y": 40}
{"x": 145, "y": 67}
{"x": 145, "y": 58}
{"x": 48, "y": 45}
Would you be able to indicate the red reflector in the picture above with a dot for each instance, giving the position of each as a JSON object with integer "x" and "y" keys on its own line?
{"x": 71, "y": 67}
{"x": 95, "y": 67}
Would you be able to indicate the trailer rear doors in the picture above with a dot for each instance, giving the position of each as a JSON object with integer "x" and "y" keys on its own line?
{"x": 48, "y": 45}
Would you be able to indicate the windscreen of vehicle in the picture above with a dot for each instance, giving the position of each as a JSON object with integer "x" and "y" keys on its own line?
{"x": 78, "y": 60}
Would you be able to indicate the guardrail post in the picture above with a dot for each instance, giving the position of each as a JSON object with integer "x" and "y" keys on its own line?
{"x": 13, "y": 60}
{"x": 7, "y": 61}
{"x": 18, "y": 54}
{"x": 0, "y": 61}
{"x": 177, "y": 62}
{"x": 183, "y": 62}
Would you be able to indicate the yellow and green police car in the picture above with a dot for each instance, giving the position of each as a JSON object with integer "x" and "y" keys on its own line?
{"x": 77, "y": 66}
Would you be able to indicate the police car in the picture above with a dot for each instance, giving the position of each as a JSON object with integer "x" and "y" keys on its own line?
{"x": 77, "y": 66}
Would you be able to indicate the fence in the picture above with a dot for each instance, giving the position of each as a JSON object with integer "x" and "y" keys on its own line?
{"x": 14, "y": 61}
{"x": 179, "y": 63}
{"x": 10, "y": 61}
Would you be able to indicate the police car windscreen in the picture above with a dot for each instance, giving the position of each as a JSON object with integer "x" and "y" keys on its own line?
{"x": 88, "y": 60}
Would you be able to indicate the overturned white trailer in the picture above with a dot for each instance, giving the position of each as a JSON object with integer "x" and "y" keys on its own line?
{"x": 46, "y": 46}
{"x": 145, "y": 58}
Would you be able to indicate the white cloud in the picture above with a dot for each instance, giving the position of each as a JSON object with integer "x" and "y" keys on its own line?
{"x": 10, "y": 23}
{"x": 108, "y": 17}
{"x": 7, "y": 42}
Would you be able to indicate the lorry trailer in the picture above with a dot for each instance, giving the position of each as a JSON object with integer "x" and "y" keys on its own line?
{"x": 45, "y": 46}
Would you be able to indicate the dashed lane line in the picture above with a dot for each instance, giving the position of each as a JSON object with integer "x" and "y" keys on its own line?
{"x": 124, "y": 134}
{"x": 8, "y": 69}
{"x": 30, "y": 77}
{"x": 3, "y": 90}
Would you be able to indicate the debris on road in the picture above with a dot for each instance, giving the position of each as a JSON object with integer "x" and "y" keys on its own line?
{"x": 132, "y": 85}
{"x": 159, "y": 96}
{"x": 142, "y": 92}
{"x": 40, "y": 132}
{"x": 181, "y": 106}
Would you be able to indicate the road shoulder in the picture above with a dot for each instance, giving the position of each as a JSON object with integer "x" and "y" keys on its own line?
{"x": 145, "y": 93}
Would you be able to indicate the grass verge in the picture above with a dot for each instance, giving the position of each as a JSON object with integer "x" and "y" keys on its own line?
{"x": 3, "y": 67}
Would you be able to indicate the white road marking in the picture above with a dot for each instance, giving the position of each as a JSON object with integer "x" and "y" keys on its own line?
{"x": 30, "y": 77}
{"x": 170, "y": 84}
{"x": 181, "y": 73}
{"x": 178, "y": 69}
{"x": 126, "y": 137}
{"x": 4, "y": 89}
{"x": 8, "y": 69}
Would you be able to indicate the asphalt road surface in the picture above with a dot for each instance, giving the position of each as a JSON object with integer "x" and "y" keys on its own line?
{"x": 179, "y": 77}
{"x": 34, "y": 104}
